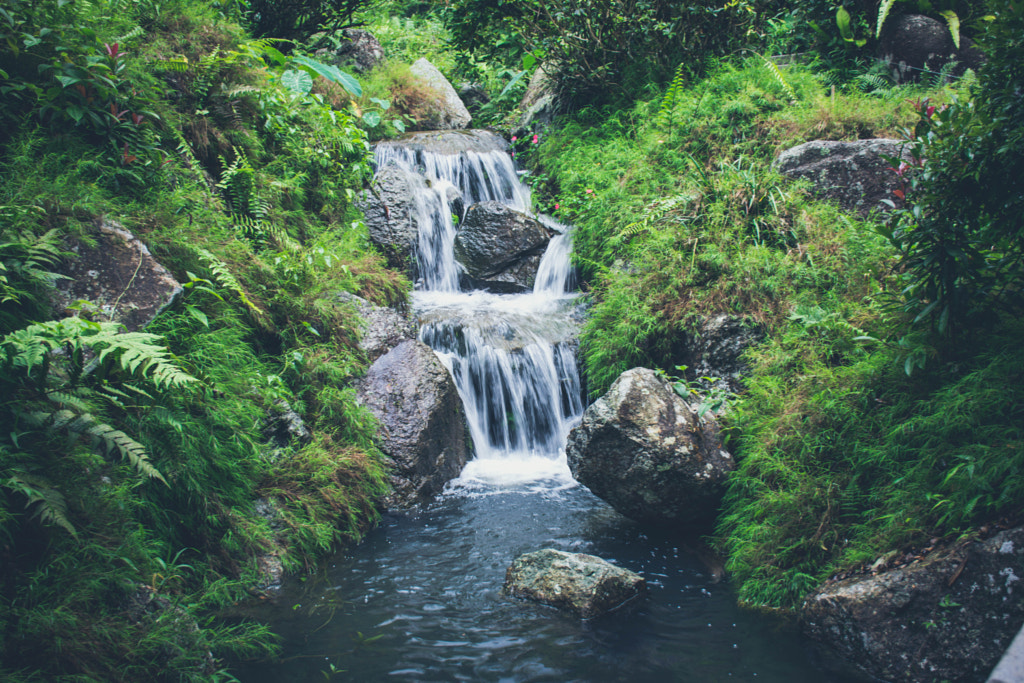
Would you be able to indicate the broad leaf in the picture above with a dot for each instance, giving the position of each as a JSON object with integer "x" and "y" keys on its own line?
{"x": 297, "y": 82}
{"x": 330, "y": 72}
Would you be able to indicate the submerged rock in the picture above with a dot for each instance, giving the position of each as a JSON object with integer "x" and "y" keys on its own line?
{"x": 583, "y": 584}
{"x": 855, "y": 175}
{"x": 447, "y": 111}
{"x": 642, "y": 448}
{"x": 947, "y": 616}
{"x": 118, "y": 276}
{"x": 422, "y": 422}
{"x": 500, "y": 248}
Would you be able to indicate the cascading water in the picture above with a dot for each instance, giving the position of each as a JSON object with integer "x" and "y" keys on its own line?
{"x": 420, "y": 599}
{"x": 509, "y": 354}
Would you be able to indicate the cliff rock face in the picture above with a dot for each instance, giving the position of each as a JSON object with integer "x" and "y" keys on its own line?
{"x": 118, "y": 276}
{"x": 422, "y": 424}
{"x": 583, "y": 584}
{"x": 948, "y": 616}
{"x": 643, "y": 449}
{"x": 854, "y": 174}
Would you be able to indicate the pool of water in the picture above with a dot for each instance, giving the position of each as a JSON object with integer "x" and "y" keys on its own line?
{"x": 421, "y": 600}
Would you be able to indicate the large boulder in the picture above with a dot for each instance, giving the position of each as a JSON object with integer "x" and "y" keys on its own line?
{"x": 854, "y": 174}
{"x": 422, "y": 424}
{"x": 118, "y": 276}
{"x": 447, "y": 111}
{"x": 947, "y": 616}
{"x": 390, "y": 214}
{"x": 359, "y": 50}
{"x": 500, "y": 248}
{"x": 916, "y": 46}
{"x": 583, "y": 584}
{"x": 383, "y": 328}
{"x": 644, "y": 450}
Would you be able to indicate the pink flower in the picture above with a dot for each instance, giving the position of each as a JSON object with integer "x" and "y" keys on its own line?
{"x": 535, "y": 139}
{"x": 556, "y": 206}
{"x": 589, "y": 191}
{"x": 514, "y": 138}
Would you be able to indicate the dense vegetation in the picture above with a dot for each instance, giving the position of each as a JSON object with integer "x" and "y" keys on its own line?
{"x": 882, "y": 409}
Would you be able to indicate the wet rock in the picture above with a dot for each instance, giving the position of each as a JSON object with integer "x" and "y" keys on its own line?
{"x": 118, "y": 276}
{"x": 715, "y": 350}
{"x": 422, "y": 424}
{"x": 854, "y": 174}
{"x": 449, "y": 142}
{"x": 269, "y": 566}
{"x": 283, "y": 426}
{"x": 390, "y": 214}
{"x": 447, "y": 111}
{"x": 359, "y": 50}
{"x": 383, "y": 328}
{"x": 500, "y": 248}
{"x": 642, "y": 448}
{"x": 916, "y": 46}
{"x": 539, "y": 103}
{"x": 583, "y": 584}
{"x": 948, "y": 616}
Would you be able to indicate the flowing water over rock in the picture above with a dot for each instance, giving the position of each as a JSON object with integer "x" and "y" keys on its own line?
{"x": 420, "y": 599}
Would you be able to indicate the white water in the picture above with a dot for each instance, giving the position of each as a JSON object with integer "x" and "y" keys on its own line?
{"x": 511, "y": 355}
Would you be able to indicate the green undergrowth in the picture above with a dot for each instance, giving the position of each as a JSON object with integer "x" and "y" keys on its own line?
{"x": 680, "y": 214}
{"x": 842, "y": 456}
{"x": 131, "y": 465}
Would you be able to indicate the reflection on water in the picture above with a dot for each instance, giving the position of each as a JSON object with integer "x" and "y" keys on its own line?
{"x": 421, "y": 600}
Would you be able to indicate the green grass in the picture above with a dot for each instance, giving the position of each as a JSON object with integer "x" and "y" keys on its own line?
{"x": 842, "y": 456}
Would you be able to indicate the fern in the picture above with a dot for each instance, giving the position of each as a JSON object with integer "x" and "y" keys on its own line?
{"x": 883, "y": 14}
{"x": 50, "y": 506}
{"x": 773, "y": 68}
{"x": 668, "y": 102}
{"x": 225, "y": 279}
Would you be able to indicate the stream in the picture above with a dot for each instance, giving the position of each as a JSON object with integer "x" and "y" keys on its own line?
{"x": 420, "y": 599}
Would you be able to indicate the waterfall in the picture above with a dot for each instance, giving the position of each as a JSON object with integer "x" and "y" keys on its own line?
{"x": 512, "y": 356}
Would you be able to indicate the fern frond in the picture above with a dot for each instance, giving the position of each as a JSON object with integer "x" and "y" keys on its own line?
{"x": 225, "y": 279}
{"x": 50, "y": 507}
{"x": 953, "y": 22}
{"x": 128, "y": 447}
{"x": 883, "y": 14}
{"x": 138, "y": 353}
{"x": 777, "y": 74}
{"x": 668, "y": 102}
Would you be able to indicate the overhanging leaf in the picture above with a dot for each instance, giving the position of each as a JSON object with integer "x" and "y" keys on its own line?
{"x": 297, "y": 82}
{"x": 330, "y": 72}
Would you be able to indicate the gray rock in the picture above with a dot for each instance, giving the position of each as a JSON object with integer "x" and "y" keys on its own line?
{"x": 284, "y": 426}
{"x": 583, "y": 584}
{"x": 539, "y": 103}
{"x": 913, "y": 44}
{"x": 118, "y": 276}
{"x": 947, "y": 616}
{"x": 390, "y": 214}
{"x": 716, "y": 348}
{"x": 499, "y": 247}
{"x": 383, "y": 328}
{"x": 449, "y": 141}
{"x": 359, "y": 50}
{"x": 642, "y": 448}
{"x": 854, "y": 174}
{"x": 422, "y": 424}
{"x": 448, "y": 111}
